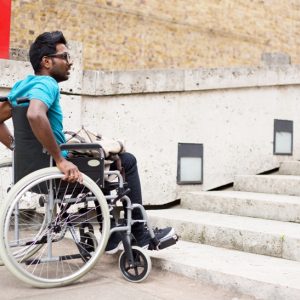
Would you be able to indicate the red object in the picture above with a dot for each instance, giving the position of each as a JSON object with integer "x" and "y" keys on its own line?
{"x": 5, "y": 10}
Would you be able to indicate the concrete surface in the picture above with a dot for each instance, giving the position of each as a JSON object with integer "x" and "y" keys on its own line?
{"x": 254, "y": 235}
{"x": 155, "y": 110}
{"x": 263, "y": 277}
{"x": 106, "y": 282}
{"x": 168, "y": 80}
{"x": 273, "y": 184}
{"x": 248, "y": 204}
{"x": 290, "y": 168}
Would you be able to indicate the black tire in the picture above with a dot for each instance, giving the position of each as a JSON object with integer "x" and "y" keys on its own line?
{"x": 141, "y": 267}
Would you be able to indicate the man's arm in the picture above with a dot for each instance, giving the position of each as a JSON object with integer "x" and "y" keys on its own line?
{"x": 6, "y": 137}
{"x": 39, "y": 122}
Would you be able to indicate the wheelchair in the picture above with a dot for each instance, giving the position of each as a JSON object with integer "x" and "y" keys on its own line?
{"x": 53, "y": 232}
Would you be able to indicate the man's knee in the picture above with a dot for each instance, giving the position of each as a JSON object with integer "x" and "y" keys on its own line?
{"x": 128, "y": 161}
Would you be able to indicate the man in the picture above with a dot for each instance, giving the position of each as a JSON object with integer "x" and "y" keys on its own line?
{"x": 51, "y": 62}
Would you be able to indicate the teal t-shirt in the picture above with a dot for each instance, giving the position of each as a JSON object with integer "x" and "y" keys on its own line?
{"x": 45, "y": 89}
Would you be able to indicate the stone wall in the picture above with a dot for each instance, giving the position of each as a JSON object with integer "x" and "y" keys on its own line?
{"x": 230, "y": 111}
{"x": 140, "y": 34}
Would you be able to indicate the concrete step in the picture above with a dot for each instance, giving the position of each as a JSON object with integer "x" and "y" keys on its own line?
{"x": 266, "y": 237}
{"x": 289, "y": 168}
{"x": 271, "y": 184}
{"x": 260, "y": 276}
{"x": 257, "y": 205}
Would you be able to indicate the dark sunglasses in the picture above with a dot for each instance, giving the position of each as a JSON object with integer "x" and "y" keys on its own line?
{"x": 65, "y": 55}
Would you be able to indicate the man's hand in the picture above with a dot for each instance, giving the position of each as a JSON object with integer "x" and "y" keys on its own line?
{"x": 71, "y": 172}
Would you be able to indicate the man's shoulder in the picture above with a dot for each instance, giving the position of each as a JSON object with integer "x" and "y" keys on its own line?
{"x": 45, "y": 85}
{"x": 44, "y": 88}
{"x": 45, "y": 80}
{"x": 40, "y": 81}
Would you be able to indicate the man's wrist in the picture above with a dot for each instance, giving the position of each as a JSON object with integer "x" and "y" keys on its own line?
{"x": 59, "y": 160}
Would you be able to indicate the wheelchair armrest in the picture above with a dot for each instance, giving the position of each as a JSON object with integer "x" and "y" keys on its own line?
{"x": 84, "y": 146}
{"x": 83, "y": 161}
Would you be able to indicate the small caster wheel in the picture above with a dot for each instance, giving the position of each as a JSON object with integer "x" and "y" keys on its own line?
{"x": 140, "y": 269}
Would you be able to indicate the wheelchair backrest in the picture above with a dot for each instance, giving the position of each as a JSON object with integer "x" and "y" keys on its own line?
{"x": 28, "y": 154}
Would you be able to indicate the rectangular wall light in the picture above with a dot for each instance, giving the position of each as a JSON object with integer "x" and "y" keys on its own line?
{"x": 283, "y": 137}
{"x": 190, "y": 163}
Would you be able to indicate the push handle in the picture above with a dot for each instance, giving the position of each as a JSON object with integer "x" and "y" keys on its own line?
{"x": 3, "y": 99}
{"x": 84, "y": 146}
{"x": 19, "y": 100}
{"x": 23, "y": 100}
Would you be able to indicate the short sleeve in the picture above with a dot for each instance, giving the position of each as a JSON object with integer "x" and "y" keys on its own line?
{"x": 45, "y": 90}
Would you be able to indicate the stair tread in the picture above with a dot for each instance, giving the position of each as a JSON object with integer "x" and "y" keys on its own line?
{"x": 274, "y": 227}
{"x": 271, "y": 176}
{"x": 251, "y": 196}
{"x": 256, "y": 267}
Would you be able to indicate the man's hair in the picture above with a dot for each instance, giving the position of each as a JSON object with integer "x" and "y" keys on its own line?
{"x": 44, "y": 45}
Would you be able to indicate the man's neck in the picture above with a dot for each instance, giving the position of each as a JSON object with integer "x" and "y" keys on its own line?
{"x": 41, "y": 73}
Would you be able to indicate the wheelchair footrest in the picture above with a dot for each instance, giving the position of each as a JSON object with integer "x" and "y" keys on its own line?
{"x": 164, "y": 243}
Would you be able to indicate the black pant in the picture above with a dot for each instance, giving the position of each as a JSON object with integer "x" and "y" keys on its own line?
{"x": 132, "y": 178}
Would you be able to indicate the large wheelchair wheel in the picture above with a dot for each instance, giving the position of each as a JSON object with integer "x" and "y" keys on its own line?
{"x": 6, "y": 178}
{"x": 53, "y": 232}
{"x": 6, "y": 181}
{"x": 137, "y": 270}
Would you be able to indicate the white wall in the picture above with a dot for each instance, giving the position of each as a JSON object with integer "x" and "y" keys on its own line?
{"x": 230, "y": 111}
{"x": 234, "y": 125}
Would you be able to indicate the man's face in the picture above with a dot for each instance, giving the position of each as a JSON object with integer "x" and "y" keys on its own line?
{"x": 61, "y": 64}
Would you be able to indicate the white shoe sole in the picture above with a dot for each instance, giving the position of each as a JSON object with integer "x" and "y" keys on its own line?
{"x": 115, "y": 250}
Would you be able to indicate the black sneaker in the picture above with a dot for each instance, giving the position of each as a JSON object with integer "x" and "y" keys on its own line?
{"x": 114, "y": 243}
{"x": 160, "y": 234}
{"x": 164, "y": 233}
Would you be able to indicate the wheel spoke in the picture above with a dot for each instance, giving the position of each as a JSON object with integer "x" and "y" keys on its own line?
{"x": 53, "y": 250}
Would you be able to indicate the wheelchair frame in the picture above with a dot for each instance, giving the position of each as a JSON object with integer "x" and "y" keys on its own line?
{"x": 23, "y": 256}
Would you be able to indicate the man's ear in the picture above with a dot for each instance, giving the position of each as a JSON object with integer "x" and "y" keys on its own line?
{"x": 46, "y": 62}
